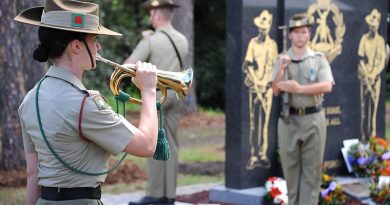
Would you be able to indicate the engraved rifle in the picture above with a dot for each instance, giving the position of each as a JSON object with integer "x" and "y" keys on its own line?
{"x": 285, "y": 95}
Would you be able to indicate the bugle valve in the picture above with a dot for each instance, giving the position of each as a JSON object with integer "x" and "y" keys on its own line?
{"x": 178, "y": 81}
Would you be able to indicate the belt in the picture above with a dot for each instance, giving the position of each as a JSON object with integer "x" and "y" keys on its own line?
{"x": 63, "y": 194}
{"x": 305, "y": 110}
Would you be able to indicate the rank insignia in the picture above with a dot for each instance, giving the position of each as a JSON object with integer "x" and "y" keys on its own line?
{"x": 100, "y": 102}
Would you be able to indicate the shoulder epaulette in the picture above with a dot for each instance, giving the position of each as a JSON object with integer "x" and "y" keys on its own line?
{"x": 147, "y": 33}
{"x": 93, "y": 92}
{"x": 316, "y": 53}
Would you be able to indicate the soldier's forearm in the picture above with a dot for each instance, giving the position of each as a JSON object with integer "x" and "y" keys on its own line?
{"x": 316, "y": 88}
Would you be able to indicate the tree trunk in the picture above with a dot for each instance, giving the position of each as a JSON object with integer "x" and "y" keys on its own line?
{"x": 11, "y": 88}
{"x": 183, "y": 21}
{"x": 32, "y": 69}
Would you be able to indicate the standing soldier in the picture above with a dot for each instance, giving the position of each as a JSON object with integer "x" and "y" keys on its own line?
{"x": 372, "y": 55}
{"x": 260, "y": 56}
{"x": 302, "y": 140}
{"x": 167, "y": 49}
{"x": 69, "y": 132}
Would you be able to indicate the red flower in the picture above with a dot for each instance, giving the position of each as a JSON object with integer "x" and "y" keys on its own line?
{"x": 275, "y": 192}
{"x": 272, "y": 179}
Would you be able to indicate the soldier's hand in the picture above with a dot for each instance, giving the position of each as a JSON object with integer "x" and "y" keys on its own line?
{"x": 145, "y": 76}
{"x": 284, "y": 60}
{"x": 290, "y": 86}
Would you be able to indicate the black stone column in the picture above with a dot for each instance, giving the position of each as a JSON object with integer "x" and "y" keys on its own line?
{"x": 241, "y": 28}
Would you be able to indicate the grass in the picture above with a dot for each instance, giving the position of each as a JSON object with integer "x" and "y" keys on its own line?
{"x": 12, "y": 196}
{"x": 211, "y": 111}
{"x": 200, "y": 133}
{"x": 123, "y": 188}
{"x": 184, "y": 180}
{"x": 201, "y": 154}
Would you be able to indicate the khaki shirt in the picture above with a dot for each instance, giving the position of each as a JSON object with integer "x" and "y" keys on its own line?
{"x": 158, "y": 50}
{"x": 313, "y": 68}
{"x": 60, "y": 98}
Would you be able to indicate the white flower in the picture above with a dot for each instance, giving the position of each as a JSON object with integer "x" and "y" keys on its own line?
{"x": 268, "y": 186}
{"x": 281, "y": 199}
{"x": 281, "y": 185}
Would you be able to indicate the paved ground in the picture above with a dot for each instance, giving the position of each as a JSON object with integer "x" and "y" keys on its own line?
{"x": 123, "y": 199}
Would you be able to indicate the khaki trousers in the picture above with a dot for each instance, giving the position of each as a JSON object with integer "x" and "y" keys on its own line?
{"x": 301, "y": 147}
{"x": 162, "y": 174}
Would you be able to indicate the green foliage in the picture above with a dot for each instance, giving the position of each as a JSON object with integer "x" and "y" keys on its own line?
{"x": 127, "y": 18}
{"x": 210, "y": 53}
{"x": 124, "y": 17}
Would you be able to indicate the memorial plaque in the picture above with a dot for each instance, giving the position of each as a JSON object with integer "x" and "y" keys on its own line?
{"x": 351, "y": 34}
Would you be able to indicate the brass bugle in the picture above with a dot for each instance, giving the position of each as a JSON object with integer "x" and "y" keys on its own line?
{"x": 178, "y": 81}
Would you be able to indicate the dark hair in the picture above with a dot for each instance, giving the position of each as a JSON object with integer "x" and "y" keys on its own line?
{"x": 53, "y": 42}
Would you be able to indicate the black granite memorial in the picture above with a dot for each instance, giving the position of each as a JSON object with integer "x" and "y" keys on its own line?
{"x": 251, "y": 113}
{"x": 351, "y": 34}
{"x": 356, "y": 106}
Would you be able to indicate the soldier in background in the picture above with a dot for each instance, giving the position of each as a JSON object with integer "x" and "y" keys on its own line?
{"x": 168, "y": 49}
{"x": 302, "y": 140}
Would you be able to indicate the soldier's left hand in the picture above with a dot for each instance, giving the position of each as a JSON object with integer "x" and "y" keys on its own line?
{"x": 290, "y": 86}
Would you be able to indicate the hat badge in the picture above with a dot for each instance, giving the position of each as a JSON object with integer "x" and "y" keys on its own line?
{"x": 155, "y": 3}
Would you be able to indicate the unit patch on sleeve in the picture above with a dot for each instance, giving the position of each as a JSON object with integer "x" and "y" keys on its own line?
{"x": 100, "y": 101}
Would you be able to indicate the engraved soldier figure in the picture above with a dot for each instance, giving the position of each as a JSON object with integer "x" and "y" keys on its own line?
{"x": 259, "y": 59}
{"x": 372, "y": 55}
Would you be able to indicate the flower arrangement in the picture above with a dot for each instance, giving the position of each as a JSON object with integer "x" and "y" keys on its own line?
{"x": 380, "y": 194}
{"x": 276, "y": 190}
{"x": 362, "y": 158}
{"x": 379, "y": 146}
{"x": 331, "y": 192}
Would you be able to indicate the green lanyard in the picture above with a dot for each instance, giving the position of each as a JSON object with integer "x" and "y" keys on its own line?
{"x": 55, "y": 153}
{"x": 162, "y": 150}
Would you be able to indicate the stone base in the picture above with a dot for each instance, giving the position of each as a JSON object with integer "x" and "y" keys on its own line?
{"x": 250, "y": 196}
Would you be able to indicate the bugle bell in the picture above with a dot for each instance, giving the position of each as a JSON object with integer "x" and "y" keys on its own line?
{"x": 178, "y": 81}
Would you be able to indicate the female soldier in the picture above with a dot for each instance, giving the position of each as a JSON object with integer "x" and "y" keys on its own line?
{"x": 60, "y": 117}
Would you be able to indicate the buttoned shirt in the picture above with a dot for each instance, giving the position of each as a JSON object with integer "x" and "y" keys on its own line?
{"x": 60, "y": 98}
{"x": 313, "y": 67}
